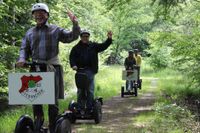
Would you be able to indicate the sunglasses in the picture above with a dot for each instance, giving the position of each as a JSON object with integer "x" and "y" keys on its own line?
{"x": 84, "y": 36}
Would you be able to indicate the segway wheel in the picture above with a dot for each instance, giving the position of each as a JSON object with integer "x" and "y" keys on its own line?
{"x": 136, "y": 91}
{"x": 72, "y": 107}
{"x": 63, "y": 125}
{"x": 24, "y": 125}
{"x": 122, "y": 91}
{"x": 73, "y": 119}
{"x": 97, "y": 112}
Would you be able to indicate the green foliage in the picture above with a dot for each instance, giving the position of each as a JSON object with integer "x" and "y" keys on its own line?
{"x": 170, "y": 117}
{"x": 90, "y": 13}
{"x": 166, "y": 116}
{"x": 179, "y": 87}
{"x": 132, "y": 20}
{"x": 166, "y": 9}
{"x": 172, "y": 111}
{"x": 3, "y": 76}
{"x": 182, "y": 37}
{"x": 116, "y": 3}
{"x": 8, "y": 55}
{"x": 13, "y": 20}
{"x": 142, "y": 45}
{"x": 187, "y": 55}
{"x": 108, "y": 87}
{"x": 9, "y": 118}
{"x": 160, "y": 57}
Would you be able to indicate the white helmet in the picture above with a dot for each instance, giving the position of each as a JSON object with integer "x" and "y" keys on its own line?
{"x": 84, "y": 32}
{"x": 40, "y": 6}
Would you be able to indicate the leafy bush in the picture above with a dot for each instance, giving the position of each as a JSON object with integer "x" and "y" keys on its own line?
{"x": 8, "y": 55}
{"x": 160, "y": 58}
{"x": 170, "y": 117}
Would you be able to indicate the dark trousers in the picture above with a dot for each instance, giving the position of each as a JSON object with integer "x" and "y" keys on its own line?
{"x": 52, "y": 113}
{"x": 53, "y": 109}
{"x": 138, "y": 73}
{"x": 87, "y": 96}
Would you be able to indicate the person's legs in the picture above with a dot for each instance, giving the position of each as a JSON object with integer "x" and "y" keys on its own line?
{"x": 53, "y": 109}
{"x": 81, "y": 99}
{"x": 129, "y": 85}
{"x": 139, "y": 82}
{"x": 38, "y": 116}
{"x": 38, "y": 113}
{"x": 126, "y": 85}
{"x": 138, "y": 73}
{"x": 90, "y": 91}
{"x": 132, "y": 84}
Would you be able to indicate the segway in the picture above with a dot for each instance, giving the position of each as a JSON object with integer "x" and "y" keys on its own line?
{"x": 95, "y": 113}
{"x": 132, "y": 83}
{"x": 25, "y": 123}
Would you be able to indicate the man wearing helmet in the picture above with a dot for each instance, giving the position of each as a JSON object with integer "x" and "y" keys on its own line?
{"x": 85, "y": 55}
{"x": 41, "y": 45}
{"x": 138, "y": 59}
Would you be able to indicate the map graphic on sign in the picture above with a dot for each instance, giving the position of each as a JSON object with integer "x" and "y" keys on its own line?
{"x": 31, "y": 87}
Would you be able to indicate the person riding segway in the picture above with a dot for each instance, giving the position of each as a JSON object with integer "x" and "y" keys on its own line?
{"x": 129, "y": 64}
{"x": 84, "y": 59}
{"x": 37, "y": 88}
{"x": 138, "y": 60}
{"x": 41, "y": 44}
{"x": 130, "y": 75}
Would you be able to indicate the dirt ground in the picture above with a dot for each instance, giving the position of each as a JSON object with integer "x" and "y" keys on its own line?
{"x": 119, "y": 113}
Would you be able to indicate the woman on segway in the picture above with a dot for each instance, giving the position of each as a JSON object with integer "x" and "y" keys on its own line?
{"x": 129, "y": 64}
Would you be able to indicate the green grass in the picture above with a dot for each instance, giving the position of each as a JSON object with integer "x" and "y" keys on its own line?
{"x": 8, "y": 119}
{"x": 168, "y": 117}
{"x": 171, "y": 82}
{"x": 146, "y": 69}
{"x": 108, "y": 81}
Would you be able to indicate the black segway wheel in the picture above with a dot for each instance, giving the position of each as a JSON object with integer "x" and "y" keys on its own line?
{"x": 135, "y": 91}
{"x": 122, "y": 91}
{"x": 97, "y": 112}
{"x": 24, "y": 125}
{"x": 63, "y": 125}
{"x": 73, "y": 119}
{"x": 72, "y": 107}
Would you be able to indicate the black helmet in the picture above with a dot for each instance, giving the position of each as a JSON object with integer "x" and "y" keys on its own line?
{"x": 84, "y": 32}
{"x": 130, "y": 51}
{"x": 136, "y": 50}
